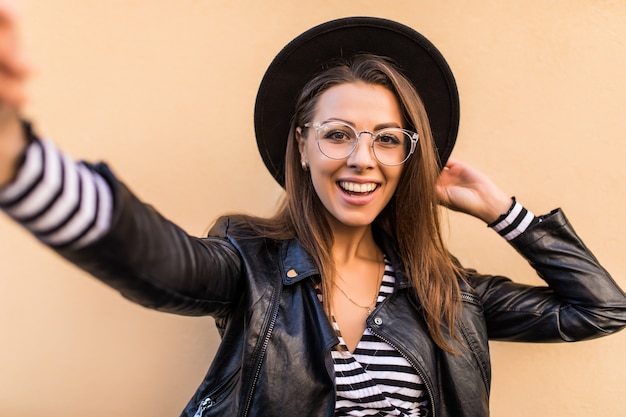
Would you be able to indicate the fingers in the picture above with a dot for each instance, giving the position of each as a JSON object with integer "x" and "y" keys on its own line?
{"x": 451, "y": 162}
{"x": 14, "y": 67}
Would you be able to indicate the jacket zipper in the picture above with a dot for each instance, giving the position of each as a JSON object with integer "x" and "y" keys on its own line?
{"x": 205, "y": 404}
{"x": 266, "y": 341}
{"x": 214, "y": 397}
{"x": 414, "y": 365}
{"x": 470, "y": 298}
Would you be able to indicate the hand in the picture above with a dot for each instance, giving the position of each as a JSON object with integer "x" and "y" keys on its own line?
{"x": 14, "y": 67}
{"x": 465, "y": 189}
{"x": 14, "y": 70}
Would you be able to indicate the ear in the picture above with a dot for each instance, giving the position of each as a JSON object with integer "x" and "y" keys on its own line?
{"x": 301, "y": 144}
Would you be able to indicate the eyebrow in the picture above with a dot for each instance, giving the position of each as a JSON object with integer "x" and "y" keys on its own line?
{"x": 377, "y": 127}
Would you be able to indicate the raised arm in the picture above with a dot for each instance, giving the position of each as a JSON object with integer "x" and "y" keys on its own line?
{"x": 581, "y": 300}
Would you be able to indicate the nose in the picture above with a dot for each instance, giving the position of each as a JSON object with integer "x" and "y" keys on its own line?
{"x": 363, "y": 155}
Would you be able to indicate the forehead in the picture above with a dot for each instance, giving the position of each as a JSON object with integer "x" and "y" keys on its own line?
{"x": 359, "y": 103}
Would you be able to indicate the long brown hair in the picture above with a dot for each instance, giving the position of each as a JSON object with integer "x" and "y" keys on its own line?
{"x": 412, "y": 217}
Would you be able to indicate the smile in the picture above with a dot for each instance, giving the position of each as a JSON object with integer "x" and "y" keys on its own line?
{"x": 357, "y": 188}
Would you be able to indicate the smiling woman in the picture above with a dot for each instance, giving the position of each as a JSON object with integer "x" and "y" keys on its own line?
{"x": 359, "y": 311}
{"x": 336, "y": 180}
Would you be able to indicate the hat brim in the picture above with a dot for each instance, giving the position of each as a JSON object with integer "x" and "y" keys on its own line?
{"x": 306, "y": 55}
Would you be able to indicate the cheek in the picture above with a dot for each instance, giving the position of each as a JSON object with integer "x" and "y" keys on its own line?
{"x": 393, "y": 176}
{"x": 321, "y": 173}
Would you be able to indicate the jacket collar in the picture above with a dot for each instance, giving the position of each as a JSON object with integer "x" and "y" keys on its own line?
{"x": 297, "y": 264}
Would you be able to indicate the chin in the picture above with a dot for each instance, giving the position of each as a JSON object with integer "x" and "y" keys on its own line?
{"x": 351, "y": 220}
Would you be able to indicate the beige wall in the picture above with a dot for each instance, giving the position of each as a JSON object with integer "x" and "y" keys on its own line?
{"x": 164, "y": 91}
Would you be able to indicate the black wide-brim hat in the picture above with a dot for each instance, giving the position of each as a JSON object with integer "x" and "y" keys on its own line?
{"x": 305, "y": 56}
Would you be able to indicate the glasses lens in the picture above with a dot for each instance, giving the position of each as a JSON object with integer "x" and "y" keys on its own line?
{"x": 336, "y": 140}
{"x": 392, "y": 146}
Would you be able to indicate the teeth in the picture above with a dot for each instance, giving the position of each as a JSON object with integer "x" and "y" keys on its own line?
{"x": 357, "y": 188}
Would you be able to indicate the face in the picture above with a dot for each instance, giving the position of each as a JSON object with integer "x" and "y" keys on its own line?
{"x": 356, "y": 189}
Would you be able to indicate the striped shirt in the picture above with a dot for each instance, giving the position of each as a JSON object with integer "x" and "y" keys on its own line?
{"x": 375, "y": 380}
{"x": 62, "y": 202}
{"x": 514, "y": 222}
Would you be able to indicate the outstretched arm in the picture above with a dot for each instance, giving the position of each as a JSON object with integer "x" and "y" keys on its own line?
{"x": 84, "y": 213}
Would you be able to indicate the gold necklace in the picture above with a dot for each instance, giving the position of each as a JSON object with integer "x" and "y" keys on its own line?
{"x": 368, "y": 307}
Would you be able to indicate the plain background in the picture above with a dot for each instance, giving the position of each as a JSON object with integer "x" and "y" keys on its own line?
{"x": 164, "y": 91}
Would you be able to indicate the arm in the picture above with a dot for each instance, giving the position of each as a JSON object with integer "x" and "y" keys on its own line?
{"x": 581, "y": 300}
{"x": 153, "y": 262}
{"x": 90, "y": 218}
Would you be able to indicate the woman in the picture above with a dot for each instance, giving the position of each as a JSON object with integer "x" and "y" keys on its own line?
{"x": 346, "y": 302}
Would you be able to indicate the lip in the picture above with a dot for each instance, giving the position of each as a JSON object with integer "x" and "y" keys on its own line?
{"x": 358, "y": 199}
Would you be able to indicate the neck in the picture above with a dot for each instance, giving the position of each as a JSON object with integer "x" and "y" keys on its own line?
{"x": 352, "y": 243}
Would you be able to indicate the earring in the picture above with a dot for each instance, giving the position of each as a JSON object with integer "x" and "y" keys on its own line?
{"x": 305, "y": 166}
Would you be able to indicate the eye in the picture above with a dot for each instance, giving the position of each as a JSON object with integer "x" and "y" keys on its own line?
{"x": 389, "y": 138}
{"x": 335, "y": 133}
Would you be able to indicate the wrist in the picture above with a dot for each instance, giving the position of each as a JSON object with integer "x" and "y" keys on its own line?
{"x": 497, "y": 207}
{"x": 13, "y": 143}
{"x": 503, "y": 213}
{"x": 514, "y": 222}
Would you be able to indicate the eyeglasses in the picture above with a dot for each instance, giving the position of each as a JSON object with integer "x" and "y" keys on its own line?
{"x": 338, "y": 140}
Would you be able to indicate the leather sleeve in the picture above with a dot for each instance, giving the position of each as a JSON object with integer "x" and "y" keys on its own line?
{"x": 581, "y": 300}
{"x": 152, "y": 262}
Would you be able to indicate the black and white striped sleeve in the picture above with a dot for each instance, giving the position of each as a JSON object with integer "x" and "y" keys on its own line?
{"x": 514, "y": 222}
{"x": 62, "y": 202}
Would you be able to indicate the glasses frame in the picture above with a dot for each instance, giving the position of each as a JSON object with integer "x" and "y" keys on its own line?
{"x": 413, "y": 136}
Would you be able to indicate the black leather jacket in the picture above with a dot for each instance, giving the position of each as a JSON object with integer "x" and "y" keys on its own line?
{"x": 274, "y": 358}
